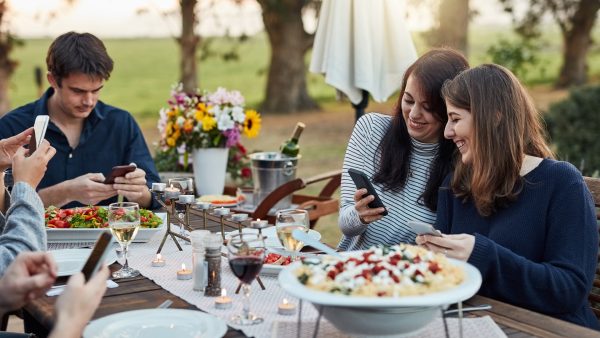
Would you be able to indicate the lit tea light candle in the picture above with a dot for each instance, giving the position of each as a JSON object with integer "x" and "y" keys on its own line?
{"x": 187, "y": 199}
{"x": 203, "y": 205}
{"x": 285, "y": 308}
{"x": 258, "y": 224}
{"x": 223, "y": 302}
{"x": 221, "y": 211}
{"x": 184, "y": 274}
{"x": 239, "y": 217}
{"x": 158, "y": 261}
{"x": 159, "y": 187}
{"x": 172, "y": 193}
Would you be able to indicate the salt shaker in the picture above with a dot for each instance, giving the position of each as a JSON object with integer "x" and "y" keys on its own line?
{"x": 213, "y": 244}
{"x": 198, "y": 263}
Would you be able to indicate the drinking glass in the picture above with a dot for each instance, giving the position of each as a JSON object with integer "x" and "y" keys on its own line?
{"x": 246, "y": 253}
{"x": 124, "y": 222}
{"x": 287, "y": 221}
{"x": 186, "y": 187}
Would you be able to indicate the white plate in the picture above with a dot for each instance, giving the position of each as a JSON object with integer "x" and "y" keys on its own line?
{"x": 70, "y": 261}
{"x": 156, "y": 323}
{"x": 272, "y": 242}
{"x": 90, "y": 235}
{"x": 289, "y": 282}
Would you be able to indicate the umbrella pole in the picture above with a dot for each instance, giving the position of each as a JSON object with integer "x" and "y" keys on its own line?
{"x": 360, "y": 107}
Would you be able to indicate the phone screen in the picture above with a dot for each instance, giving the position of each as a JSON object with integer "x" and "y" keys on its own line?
{"x": 97, "y": 255}
{"x": 421, "y": 228}
{"x": 361, "y": 180}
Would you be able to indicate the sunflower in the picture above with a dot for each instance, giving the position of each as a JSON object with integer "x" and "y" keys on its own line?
{"x": 252, "y": 123}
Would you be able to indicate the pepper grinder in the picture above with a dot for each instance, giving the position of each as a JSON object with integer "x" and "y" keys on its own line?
{"x": 213, "y": 244}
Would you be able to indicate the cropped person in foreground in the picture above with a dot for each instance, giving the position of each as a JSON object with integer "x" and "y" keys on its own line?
{"x": 22, "y": 221}
{"x": 33, "y": 273}
{"x": 90, "y": 136}
{"x": 525, "y": 220}
{"x": 405, "y": 155}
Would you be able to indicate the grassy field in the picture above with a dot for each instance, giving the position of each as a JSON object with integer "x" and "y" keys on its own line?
{"x": 145, "y": 69}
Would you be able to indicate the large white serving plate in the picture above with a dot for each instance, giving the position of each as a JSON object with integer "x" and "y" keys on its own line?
{"x": 156, "y": 323}
{"x": 272, "y": 242}
{"x": 465, "y": 290}
{"x": 381, "y": 316}
{"x": 90, "y": 235}
{"x": 70, "y": 261}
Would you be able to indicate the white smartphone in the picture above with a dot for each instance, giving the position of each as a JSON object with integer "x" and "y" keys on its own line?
{"x": 421, "y": 228}
{"x": 39, "y": 131}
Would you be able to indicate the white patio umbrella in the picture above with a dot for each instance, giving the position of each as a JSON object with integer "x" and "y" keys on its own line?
{"x": 362, "y": 47}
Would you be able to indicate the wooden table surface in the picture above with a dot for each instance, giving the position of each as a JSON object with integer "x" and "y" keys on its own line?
{"x": 142, "y": 293}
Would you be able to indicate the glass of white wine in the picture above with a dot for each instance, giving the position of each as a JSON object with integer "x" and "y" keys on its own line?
{"x": 287, "y": 221}
{"x": 124, "y": 222}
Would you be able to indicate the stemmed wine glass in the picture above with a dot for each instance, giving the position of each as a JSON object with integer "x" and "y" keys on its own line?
{"x": 288, "y": 220}
{"x": 124, "y": 222}
{"x": 246, "y": 253}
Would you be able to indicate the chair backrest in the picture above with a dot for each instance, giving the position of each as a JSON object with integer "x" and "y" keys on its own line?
{"x": 593, "y": 185}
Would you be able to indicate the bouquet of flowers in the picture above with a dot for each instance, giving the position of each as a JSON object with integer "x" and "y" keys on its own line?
{"x": 205, "y": 120}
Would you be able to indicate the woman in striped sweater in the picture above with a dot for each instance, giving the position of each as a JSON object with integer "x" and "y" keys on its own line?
{"x": 406, "y": 156}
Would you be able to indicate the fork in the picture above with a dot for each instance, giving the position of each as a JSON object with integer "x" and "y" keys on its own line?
{"x": 165, "y": 304}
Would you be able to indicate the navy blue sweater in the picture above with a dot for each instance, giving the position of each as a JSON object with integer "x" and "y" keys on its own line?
{"x": 541, "y": 251}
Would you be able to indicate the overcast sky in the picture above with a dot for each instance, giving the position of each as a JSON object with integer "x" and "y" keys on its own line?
{"x": 122, "y": 18}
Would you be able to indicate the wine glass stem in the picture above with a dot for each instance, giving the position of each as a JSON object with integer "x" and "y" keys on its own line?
{"x": 246, "y": 310}
{"x": 125, "y": 251}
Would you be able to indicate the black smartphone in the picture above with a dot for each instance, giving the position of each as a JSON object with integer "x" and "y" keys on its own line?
{"x": 119, "y": 171}
{"x": 39, "y": 132}
{"x": 361, "y": 180}
{"x": 97, "y": 256}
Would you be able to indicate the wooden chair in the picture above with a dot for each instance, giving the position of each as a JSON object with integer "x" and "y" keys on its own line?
{"x": 317, "y": 205}
{"x": 594, "y": 296}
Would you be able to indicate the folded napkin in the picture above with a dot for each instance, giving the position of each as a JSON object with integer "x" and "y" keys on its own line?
{"x": 57, "y": 290}
{"x": 472, "y": 327}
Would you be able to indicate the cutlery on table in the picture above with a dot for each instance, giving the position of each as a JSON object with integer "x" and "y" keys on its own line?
{"x": 469, "y": 309}
{"x": 306, "y": 239}
{"x": 167, "y": 303}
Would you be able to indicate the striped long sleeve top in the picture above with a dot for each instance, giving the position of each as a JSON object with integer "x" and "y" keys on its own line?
{"x": 362, "y": 154}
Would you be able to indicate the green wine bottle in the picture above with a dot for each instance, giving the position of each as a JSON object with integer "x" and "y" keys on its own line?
{"x": 290, "y": 147}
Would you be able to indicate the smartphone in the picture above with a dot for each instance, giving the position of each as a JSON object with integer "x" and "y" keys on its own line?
{"x": 421, "y": 228}
{"x": 119, "y": 171}
{"x": 361, "y": 180}
{"x": 39, "y": 132}
{"x": 97, "y": 256}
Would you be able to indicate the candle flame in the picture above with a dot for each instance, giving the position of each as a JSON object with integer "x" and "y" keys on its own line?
{"x": 223, "y": 293}
{"x": 258, "y": 219}
{"x": 182, "y": 266}
{"x": 285, "y": 301}
{"x": 171, "y": 185}
{"x": 158, "y": 257}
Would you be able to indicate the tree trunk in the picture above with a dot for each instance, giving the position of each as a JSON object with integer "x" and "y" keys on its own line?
{"x": 286, "y": 84}
{"x": 188, "y": 43}
{"x": 7, "y": 66}
{"x": 576, "y": 43}
{"x": 453, "y": 28}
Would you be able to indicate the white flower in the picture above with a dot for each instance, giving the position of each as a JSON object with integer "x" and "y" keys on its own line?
{"x": 180, "y": 121}
{"x": 224, "y": 122}
{"x": 238, "y": 114}
{"x": 162, "y": 121}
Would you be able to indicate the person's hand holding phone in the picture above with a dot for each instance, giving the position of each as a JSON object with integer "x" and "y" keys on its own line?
{"x": 31, "y": 169}
{"x": 89, "y": 189}
{"x": 365, "y": 213}
{"x": 456, "y": 246}
{"x": 9, "y": 146}
{"x": 133, "y": 187}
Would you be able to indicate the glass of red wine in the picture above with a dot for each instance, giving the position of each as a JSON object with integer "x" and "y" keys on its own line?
{"x": 246, "y": 253}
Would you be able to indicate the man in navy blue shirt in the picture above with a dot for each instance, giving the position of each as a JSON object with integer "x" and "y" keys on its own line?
{"x": 90, "y": 136}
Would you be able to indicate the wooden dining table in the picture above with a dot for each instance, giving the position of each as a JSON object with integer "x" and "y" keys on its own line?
{"x": 142, "y": 293}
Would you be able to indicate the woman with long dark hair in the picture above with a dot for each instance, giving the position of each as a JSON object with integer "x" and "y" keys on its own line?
{"x": 405, "y": 155}
{"x": 525, "y": 220}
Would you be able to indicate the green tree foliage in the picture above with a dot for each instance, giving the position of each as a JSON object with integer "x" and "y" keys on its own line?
{"x": 518, "y": 56}
{"x": 574, "y": 124}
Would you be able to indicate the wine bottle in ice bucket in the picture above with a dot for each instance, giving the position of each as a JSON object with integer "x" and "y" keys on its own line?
{"x": 290, "y": 147}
